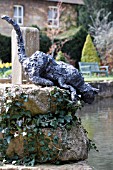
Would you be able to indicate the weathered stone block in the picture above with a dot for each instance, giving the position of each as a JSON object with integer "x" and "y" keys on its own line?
{"x": 72, "y": 145}
{"x": 38, "y": 101}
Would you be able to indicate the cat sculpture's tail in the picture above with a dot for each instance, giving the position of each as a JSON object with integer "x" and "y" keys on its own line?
{"x": 20, "y": 42}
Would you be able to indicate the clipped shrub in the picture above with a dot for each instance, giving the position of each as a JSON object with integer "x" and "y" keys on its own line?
{"x": 74, "y": 44}
{"x": 60, "y": 57}
{"x": 45, "y": 42}
{"x": 89, "y": 53}
{"x": 5, "y": 48}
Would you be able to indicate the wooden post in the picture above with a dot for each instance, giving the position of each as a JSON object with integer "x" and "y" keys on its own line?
{"x": 31, "y": 42}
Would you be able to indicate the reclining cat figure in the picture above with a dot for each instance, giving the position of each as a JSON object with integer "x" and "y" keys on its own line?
{"x": 42, "y": 69}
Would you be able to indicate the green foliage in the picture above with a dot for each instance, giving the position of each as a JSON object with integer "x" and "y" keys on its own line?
{"x": 92, "y": 145}
{"x": 5, "y": 48}
{"x": 7, "y": 73}
{"x": 45, "y": 41}
{"x": 89, "y": 53}
{"x": 83, "y": 16}
{"x": 60, "y": 57}
{"x": 16, "y": 121}
{"x": 74, "y": 45}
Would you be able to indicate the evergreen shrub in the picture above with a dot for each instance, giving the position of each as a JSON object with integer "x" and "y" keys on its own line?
{"x": 5, "y": 48}
{"x": 60, "y": 57}
{"x": 89, "y": 53}
{"x": 74, "y": 45}
{"x": 45, "y": 41}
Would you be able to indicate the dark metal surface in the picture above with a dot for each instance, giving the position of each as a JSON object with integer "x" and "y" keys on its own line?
{"x": 43, "y": 70}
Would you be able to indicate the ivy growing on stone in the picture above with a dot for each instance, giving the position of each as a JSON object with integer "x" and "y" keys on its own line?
{"x": 38, "y": 143}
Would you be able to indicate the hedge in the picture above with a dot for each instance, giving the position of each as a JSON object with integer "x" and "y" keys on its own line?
{"x": 5, "y": 48}
{"x": 74, "y": 44}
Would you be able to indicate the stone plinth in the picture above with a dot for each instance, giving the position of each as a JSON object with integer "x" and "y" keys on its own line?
{"x": 63, "y": 144}
{"x": 31, "y": 42}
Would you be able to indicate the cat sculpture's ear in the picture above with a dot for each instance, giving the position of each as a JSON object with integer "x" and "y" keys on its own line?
{"x": 5, "y": 17}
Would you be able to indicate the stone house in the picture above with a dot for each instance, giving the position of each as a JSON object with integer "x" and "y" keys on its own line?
{"x": 42, "y": 13}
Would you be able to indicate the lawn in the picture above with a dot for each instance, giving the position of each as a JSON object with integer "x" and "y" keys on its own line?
{"x": 97, "y": 78}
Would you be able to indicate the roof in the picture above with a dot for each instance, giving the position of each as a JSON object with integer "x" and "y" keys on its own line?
{"x": 69, "y": 1}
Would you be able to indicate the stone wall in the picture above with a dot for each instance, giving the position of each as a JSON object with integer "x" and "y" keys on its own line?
{"x": 35, "y": 13}
{"x": 105, "y": 89}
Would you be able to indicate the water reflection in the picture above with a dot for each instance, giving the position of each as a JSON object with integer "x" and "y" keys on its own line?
{"x": 98, "y": 121}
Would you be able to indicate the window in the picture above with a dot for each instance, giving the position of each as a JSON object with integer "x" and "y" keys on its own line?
{"x": 18, "y": 14}
{"x": 53, "y": 17}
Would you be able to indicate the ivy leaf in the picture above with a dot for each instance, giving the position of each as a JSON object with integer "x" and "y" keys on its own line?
{"x": 17, "y": 103}
{"x": 68, "y": 118}
{"x": 61, "y": 120}
{"x": 52, "y": 92}
{"x": 31, "y": 163}
{"x": 31, "y": 149}
{"x": 59, "y": 100}
{"x": 29, "y": 135}
{"x": 26, "y": 99}
{"x": 49, "y": 133}
{"x": 68, "y": 127}
{"x": 8, "y": 138}
{"x": 43, "y": 148}
{"x": 35, "y": 130}
{"x": 62, "y": 112}
{"x": 42, "y": 142}
{"x": 55, "y": 140}
{"x": 43, "y": 124}
{"x": 38, "y": 122}
{"x": 53, "y": 123}
{"x": 16, "y": 116}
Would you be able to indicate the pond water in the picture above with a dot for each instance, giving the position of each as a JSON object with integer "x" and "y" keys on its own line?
{"x": 97, "y": 119}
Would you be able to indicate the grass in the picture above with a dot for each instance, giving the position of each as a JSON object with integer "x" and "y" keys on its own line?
{"x": 96, "y": 78}
{"x": 69, "y": 33}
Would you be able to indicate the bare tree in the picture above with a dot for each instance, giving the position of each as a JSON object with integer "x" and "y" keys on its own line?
{"x": 102, "y": 32}
{"x": 52, "y": 31}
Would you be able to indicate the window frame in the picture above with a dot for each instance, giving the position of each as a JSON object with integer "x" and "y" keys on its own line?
{"x": 17, "y": 17}
{"x": 53, "y": 20}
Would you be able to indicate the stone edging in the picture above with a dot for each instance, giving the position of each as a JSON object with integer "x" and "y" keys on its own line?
{"x": 73, "y": 166}
{"x": 105, "y": 89}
